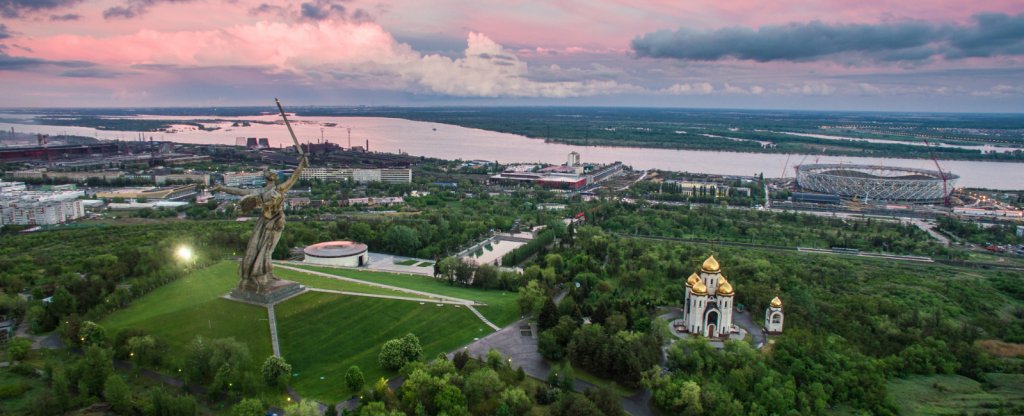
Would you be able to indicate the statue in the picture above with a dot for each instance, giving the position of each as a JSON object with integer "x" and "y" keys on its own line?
{"x": 257, "y": 281}
{"x": 256, "y": 268}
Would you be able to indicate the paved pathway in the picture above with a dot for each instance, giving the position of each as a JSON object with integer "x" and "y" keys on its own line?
{"x": 381, "y": 285}
{"x": 481, "y": 316}
{"x": 272, "y": 320}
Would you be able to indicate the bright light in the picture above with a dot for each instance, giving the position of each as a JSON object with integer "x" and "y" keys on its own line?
{"x": 184, "y": 253}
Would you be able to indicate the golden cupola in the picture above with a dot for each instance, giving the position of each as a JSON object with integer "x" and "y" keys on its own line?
{"x": 710, "y": 265}
{"x": 699, "y": 288}
{"x": 724, "y": 288}
{"x": 776, "y": 303}
{"x": 692, "y": 280}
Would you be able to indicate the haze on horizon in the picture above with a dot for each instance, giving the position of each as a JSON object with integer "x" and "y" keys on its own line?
{"x": 943, "y": 55}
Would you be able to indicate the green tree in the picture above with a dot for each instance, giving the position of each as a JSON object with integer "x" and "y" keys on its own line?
{"x": 481, "y": 384}
{"x": 411, "y": 348}
{"x": 18, "y": 348}
{"x": 548, "y": 315}
{"x": 249, "y": 407}
{"x": 402, "y": 240}
{"x": 92, "y": 333}
{"x": 276, "y": 371}
{"x": 516, "y": 401}
{"x": 530, "y": 298}
{"x": 354, "y": 378}
{"x": 302, "y": 408}
{"x": 117, "y": 393}
{"x": 449, "y": 400}
{"x": 95, "y": 368}
{"x": 390, "y": 356}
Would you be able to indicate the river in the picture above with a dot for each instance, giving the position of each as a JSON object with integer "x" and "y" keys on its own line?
{"x": 454, "y": 142}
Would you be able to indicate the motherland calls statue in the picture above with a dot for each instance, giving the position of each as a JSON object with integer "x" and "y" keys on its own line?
{"x": 258, "y": 282}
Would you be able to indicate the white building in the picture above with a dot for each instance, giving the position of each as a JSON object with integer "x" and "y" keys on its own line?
{"x": 11, "y": 186}
{"x": 574, "y": 159}
{"x": 358, "y": 175}
{"x": 708, "y": 302}
{"x": 773, "y": 317}
{"x": 245, "y": 179}
{"x": 40, "y": 208}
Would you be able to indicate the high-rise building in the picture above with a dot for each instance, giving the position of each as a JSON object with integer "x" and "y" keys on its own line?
{"x": 358, "y": 175}
{"x": 574, "y": 159}
{"x": 40, "y": 208}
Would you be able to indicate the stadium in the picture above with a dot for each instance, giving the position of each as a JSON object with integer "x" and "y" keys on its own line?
{"x": 337, "y": 253}
{"x": 869, "y": 182}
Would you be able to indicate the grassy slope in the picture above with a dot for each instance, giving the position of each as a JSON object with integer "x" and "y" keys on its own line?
{"x": 323, "y": 334}
{"x": 952, "y": 394}
{"x": 191, "y": 306}
{"x": 501, "y": 306}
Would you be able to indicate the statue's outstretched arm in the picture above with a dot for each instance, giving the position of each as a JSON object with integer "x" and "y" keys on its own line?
{"x": 284, "y": 187}
{"x": 232, "y": 191}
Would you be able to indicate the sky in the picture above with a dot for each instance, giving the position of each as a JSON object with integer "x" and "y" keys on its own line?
{"x": 884, "y": 55}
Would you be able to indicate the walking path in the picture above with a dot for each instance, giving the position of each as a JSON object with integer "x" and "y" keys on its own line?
{"x": 380, "y": 285}
{"x": 272, "y": 320}
{"x": 481, "y": 316}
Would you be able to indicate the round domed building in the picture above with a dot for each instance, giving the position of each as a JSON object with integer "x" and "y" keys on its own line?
{"x": 337, "y": 253}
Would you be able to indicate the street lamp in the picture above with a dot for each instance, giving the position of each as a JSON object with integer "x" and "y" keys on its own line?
{"x": 184, "y": 253}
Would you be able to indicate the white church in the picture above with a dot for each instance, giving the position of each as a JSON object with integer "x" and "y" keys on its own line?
{"x": 708, "y": 304}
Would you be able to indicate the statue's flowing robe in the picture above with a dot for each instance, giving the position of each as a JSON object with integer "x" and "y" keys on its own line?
{"x": 256, "y": 267}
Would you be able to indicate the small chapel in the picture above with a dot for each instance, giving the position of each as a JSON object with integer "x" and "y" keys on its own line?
{"x": 708, "y": 305}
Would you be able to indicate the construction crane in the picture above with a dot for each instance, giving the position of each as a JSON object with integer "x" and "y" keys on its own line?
{"x": 945, "y": 193}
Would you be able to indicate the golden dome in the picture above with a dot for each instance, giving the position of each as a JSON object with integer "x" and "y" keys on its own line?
{"x": 710, "y": 265}
{"x": 700, "y": 288}
{"x": 724, "y": 288}
{"x": 692, "y": 280}
{"x": 776, "y": 303}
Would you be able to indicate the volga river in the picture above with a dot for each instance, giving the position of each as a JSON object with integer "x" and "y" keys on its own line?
{"x": 453, "y": 142}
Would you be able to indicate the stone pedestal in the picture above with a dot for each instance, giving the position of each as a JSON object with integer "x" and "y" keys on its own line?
{"x": 276, "y": 291}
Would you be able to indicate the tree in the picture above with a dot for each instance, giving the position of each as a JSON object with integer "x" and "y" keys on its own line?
{"x": 249, "y": 407}
{"x": 144, "y": 350}
{"x": 411, "y": 348}
{"x": 95, "y": 368}
{"x": 494, "y": 359}
{"x": 516, "y": 401}
{"x": 302, "y": 408}
{"x": 117, "y": 393}
{"x": 92, "y": 333}
{"x": 276, "y": 371}
{"x": 390, "y": 356}
{"x": 481, "y": 384}
{"x": 530, "y": 298}
{"x": 449, "y": 400}
{"x": 548, "y": 315}
{"x": 446, "y": 268}
{"x": 18, "y": 348}
{"x": 402, "y": 240}
{"x": 354, "y": 378}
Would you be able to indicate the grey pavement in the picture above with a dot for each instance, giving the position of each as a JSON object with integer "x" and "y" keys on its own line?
{"x": 272, "y": 321}
{"x": 387, "y": 263}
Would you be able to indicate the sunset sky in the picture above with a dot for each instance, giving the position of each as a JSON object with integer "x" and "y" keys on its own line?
{"x": 894, "y": 55}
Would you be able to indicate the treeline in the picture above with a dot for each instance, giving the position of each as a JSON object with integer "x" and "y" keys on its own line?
{"x": 770, "y": 228}
{"x": 975, "y": 233}
{"x": 436, "y": 228}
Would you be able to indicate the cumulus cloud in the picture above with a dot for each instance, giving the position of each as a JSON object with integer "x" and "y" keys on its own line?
{"x": 354, "y": 54}
{"x": 135, "y": 8}
{"x": 992, "y": 34}
{"x": 18, "y": 8}
{"x": 695, "y": 88}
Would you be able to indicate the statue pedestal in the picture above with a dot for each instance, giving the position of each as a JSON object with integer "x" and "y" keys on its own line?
{"x": 277, "y": 291}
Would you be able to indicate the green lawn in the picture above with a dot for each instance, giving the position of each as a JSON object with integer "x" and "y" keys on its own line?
{"x": 501, "y": 306}
{"x": 407, "y": 262}
{"x": 191, "y": 306}
{"x": 320, "y": 282}
{"x": 322, "y": 334}
{"x": 953, "y": 395}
